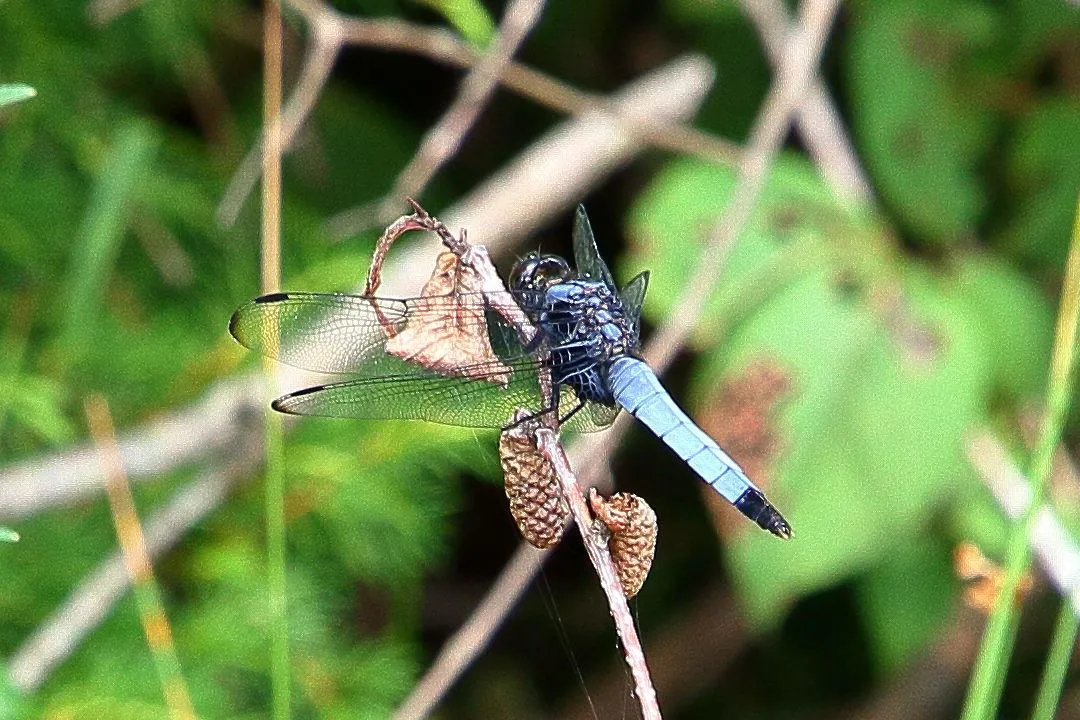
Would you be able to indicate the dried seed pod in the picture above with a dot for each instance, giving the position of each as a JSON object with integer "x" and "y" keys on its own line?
{"x": 536, "y": 499}
{"x": 632, "y": 524}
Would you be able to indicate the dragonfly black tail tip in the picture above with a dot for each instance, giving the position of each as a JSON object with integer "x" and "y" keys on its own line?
{"x": 753, "y": 505}
{"x": 780, "y": 528}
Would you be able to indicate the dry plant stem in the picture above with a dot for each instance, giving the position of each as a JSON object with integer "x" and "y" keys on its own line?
{"x": 273, "y": 427}
{"x": 270, "y": 260}
{"x": 1055, "y": 548}
{"x": 445, "y": 137}
{"x": 92, "y": 601}
{"x": 319, "y": 60}
{"x": 155, "y": 623}
{"x": 596, "y": 547}
{"x": 817, "y": 120}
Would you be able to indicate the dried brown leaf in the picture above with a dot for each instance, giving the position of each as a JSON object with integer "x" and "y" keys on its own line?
{"x": 983, "y": 578}
{"x": 448, "y": 333}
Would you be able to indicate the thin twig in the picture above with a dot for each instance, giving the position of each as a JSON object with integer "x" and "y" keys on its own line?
{"x": 793, "y": 75}
{"x": 817, "y": 119}
{"x": 445, "y": 137}
{"x": 322, "y": 51}
{"x": 155, "y": 622}
{"x": 597, "y": 550}
{"x": 90, "y": 603}
{"x": 475, "y": 634}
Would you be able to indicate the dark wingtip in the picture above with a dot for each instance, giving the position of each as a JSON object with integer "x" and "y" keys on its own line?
{"x": 234, "y": 321}
{"x": 283, "y": 403}
{"x": 232, "y": 326}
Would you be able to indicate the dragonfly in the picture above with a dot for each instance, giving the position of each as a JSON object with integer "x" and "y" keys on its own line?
{"x": 586, "y": 344}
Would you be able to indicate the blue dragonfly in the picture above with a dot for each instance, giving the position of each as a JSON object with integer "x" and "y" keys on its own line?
{"x": 586, "y": 344}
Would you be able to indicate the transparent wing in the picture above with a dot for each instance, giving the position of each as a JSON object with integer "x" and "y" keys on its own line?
{"x": 347, "y": 334}
{"x": 338, "y": 333}
{"x": 586, "y": 255}
{"x": 633, "y": 295}
{"x": 418, "y": 394}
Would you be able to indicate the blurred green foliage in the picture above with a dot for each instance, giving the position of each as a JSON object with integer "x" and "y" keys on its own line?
{"x": 900, "y": 329}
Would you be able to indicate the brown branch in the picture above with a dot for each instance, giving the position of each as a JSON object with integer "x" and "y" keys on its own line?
{"x": 597, "y": 549}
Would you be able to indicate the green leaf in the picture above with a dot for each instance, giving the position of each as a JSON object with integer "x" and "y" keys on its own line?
{"x": 1015, "y": 320}
{"x": 906, "y": 599}
{"x": 921, "y": 135}
{"x": 1043, "y": 175}
{"x": 885, "y": 385}
{"x": 671, "y": 220}
{"x": 8, "y": 535}
{"x": 469, "y": 17}
{"x": 11, "y": 94}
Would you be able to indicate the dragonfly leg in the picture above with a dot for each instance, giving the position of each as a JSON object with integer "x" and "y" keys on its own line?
{"x": 552, "y": 408}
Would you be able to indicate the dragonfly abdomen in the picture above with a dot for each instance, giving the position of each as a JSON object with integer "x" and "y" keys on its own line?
{"x": 637, "y": 389}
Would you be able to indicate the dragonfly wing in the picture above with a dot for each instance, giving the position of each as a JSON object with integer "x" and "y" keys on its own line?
{"x": 338, "y": 333}
{"x": 633, "y": 296}
{"x": 323, "y": 332}
{"x": 419, "y": 394}
{"x": 586, "y": 255}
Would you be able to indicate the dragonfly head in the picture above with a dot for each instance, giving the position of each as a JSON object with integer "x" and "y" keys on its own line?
{"x": 538, "y": 272}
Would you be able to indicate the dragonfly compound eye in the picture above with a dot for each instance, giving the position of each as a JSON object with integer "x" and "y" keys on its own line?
{"x": 538, "y": 272}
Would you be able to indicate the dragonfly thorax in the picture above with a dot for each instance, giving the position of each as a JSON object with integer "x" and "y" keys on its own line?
{"x": 584, "y": 326}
